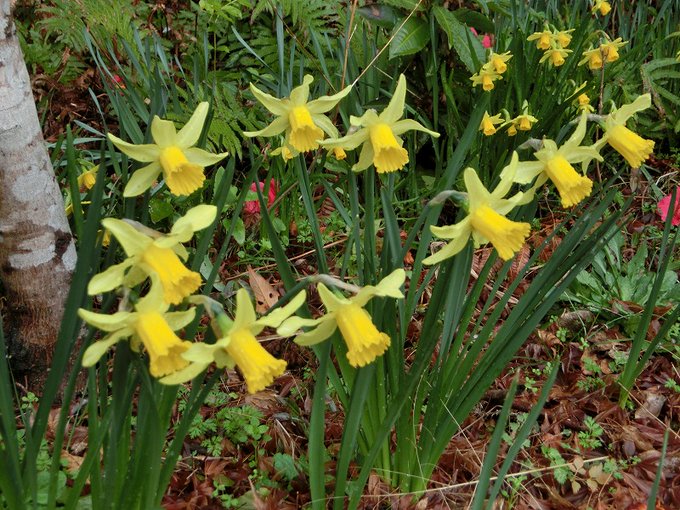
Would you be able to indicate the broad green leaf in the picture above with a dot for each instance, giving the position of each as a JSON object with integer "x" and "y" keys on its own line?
{"x": 159, "y": 209}
{"x": 410, "y": 38}
{"x": 457, "y": 34}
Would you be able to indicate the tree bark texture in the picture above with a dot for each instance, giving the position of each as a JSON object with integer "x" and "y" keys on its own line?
{"x": 37, "y": 252}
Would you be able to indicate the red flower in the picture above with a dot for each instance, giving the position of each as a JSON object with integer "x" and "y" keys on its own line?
{"x": 664, "y": 206}
{"x": 251, "y": 207}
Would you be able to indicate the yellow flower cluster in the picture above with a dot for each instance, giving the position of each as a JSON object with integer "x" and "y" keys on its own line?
{"x": 555, "y": 43}
{"x": 522, "y": 122}
{"x": 606, "y": 52}
{"x": 486, "y": 221}
{"x": 492, "y": 70}
{"x": 304, "y": 124}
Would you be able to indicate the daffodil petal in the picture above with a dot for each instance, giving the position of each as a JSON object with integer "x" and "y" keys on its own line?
{"x": 186, "y": 374}
{"x": 331, "y": 301}
{"x": 402, "y": 126}
{"x": 274, "y": 105}
{"x": 293, "y": 324}
{"x": 507, "y": 177}
{"x": 451, "y": 249}
{"x": 325, "y": 124}
{"x": 191, "y": 132}
{"x": 325, "y": 329}
{"x": 348, "y": 142}
{"x": 131, "y": 239}
{"x": 142, "y": 179}
{"x": 105, "y": 322}
{"x": 476, "y": 191}
{"x": 95, "y": 351}
{"x": 452, "y": 231}
{"x": 365, "y": 158}
{"x": 526, "y": 171}
{"x": 203, "y": 158}
{"x": 177, "y": 320}
{"x": 277, "y": 127}
{"x": 275, "y": 318}
{"x": 145, "y": 153}
{"x": 577, "y": 137}
{"x": 108, "y": 279}
{"x": 626, "y": 111}
{"x": 201, "y": 353}
{"x": 196, "y": 218}
{"x": 134, "y": 276}
{"x": 153, "y": 301}
{"x": 245, "y": 313}
{"x": 300, "y": 94}
{"x": 395, "y": 109}
{"x": 326, "y": 103}
{"x": 390, "y": 286}
{"x": 163, "y": 132}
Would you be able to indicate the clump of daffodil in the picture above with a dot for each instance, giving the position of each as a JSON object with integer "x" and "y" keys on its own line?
{"x": 630, "y": 145}
{"x": 302, "y": 121}
{"x": 172, "y": 153}
{"x": 150, "y": 326}
{"x": 364, "y": 342}
{"x": 379, "y": 135}
{"x": 607, "y": 52}
{"x": 486, "y": 221}
{"x": 150, "y": 252}
{"x": 488, "y": 124}
{"x": 555, "y": 163}
{"x": 237, "y": 345}
{"x": 492, "y": 70}
{"x": 602, "y": 6}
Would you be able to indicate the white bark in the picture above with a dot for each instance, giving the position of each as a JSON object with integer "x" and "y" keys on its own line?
{"x": 37, "y": 253}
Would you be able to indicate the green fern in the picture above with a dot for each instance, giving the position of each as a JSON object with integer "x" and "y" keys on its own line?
{"x": 318, "y": 16}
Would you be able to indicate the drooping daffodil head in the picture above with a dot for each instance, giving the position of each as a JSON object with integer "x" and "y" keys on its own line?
{"x": 380, "y": 135}
{"x": 151, "y": 253}
{"x": 543, "y": 39}
{"x": 629, "y": 144}
{"x": 364, "y": 342}
{"x": 302, "y": 121}
{"x": 150, "y": 327}
{"x": 555, "y": 164}
{"x": 237, "y": 345}
{"x": 486, "y": 221}
{"x": 172, "y": 153}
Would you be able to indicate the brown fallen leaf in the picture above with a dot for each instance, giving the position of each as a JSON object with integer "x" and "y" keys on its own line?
{"x": 265, "y": 295}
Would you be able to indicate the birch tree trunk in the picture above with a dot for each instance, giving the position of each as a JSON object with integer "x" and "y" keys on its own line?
{"x": 37, "y": 253}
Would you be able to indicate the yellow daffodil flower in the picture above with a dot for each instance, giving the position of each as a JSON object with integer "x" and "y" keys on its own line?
{"x": 486, "y": 221}
{"x": 485, "y": 77}
{"x": 512, "y": 129}
{"x": 364, "y": 341}
{"x": 555, "y": 56}
{"x": 556, "y": 164}
{"x": 302, "y": 120}
{"x": 87, "y": 179}
{"x": 610, "y": 49}
{"x": 563, "y": 37}
{"x": 488, "y": 125}
{"x": 543, "y": 39}
{"x": 498, "y": 61}
{"x": 172, "y": 153}
{"x": 155, "y": 254}
{"x": 150, "y": 326}
{"x": 601, "y": 5}
{"x": 592, "y": 56}
{"x": 583, "y": 102}
{"x": 380, "y": 135}
{"x": 238, "y": 346}
{"x": 630, "y": 145}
